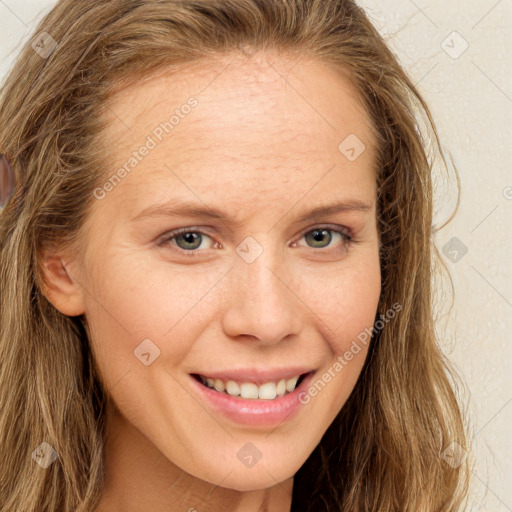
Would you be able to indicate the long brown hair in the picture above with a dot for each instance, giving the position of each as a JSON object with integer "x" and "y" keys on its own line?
{"x": 384, "y": 450}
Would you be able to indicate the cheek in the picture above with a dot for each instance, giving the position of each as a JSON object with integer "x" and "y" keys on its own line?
{"x": 344, "y": 300}
{"x": 133, "y": 300}
{"x": 143, "y": 296}
{"x": 357, "y": 306}
{"x": 348, "y": 315}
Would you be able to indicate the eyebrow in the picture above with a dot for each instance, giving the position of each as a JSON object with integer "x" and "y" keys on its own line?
{"x": 190, "y": 209}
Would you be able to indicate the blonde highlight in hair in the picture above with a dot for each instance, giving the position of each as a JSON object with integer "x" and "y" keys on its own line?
{"x": 383, "y": 451}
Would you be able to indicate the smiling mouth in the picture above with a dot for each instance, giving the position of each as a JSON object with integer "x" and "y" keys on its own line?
{"x": 249, "y": 390}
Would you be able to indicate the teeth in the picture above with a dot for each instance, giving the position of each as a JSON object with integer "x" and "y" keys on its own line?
{"x": 249, "y": 390}
{"x": 290, "y": 383}
{"x": 268, "y": 391}
{"x": 218, "y": 385}
{"x": 281, "y": 387}
{"x": 232, "y": 388}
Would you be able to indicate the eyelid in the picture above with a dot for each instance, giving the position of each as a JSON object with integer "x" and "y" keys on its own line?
{"x": 330, "y": 227}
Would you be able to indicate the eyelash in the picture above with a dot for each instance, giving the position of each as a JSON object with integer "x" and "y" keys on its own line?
{"x": 347, "y": 239}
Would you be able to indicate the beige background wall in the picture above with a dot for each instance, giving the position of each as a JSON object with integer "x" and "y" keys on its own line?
{"x": 458, "y": 53}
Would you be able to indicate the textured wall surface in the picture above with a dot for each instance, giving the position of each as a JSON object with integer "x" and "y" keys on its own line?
{"x": 458, "y": 55}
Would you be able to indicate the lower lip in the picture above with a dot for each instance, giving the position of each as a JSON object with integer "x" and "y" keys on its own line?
{"x": 256, "y": 412}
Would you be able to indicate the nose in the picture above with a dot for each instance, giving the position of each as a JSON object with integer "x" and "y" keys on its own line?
{"x": 263, "y": 304}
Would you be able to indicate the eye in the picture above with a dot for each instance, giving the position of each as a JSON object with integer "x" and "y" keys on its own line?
{"x": 321, "y": 237}
{"x": 188, "y": 240}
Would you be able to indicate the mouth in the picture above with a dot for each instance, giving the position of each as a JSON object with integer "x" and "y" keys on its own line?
{"x": 253, "y": 389}
{"x": 256, "y": 398}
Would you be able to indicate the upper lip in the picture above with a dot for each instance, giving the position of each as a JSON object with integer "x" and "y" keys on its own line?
{"x": 256, "y": 375}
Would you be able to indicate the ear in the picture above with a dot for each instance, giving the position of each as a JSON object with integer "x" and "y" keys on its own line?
{"x": 60, "y": 286}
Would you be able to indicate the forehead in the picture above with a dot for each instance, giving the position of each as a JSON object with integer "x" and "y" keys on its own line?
{"x": 255, "y": 123}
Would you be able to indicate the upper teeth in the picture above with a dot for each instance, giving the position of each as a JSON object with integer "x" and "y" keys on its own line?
{"x": 267, "y": 391}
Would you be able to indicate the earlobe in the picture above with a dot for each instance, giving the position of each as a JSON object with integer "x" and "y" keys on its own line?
{"x": 60, "y": 286}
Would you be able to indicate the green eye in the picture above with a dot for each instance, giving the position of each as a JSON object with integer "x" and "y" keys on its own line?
{"x": 192, "y": 240}
{"x": 316, "y": 237}
{"x": 186, "y": 239}
{"x": 189, "y": 240}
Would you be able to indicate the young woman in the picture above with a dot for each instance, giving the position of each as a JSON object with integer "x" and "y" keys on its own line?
{"x": 216, "y": 266}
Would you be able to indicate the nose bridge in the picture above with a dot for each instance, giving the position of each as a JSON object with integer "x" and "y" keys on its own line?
{"x": 260, "y": 277}
{"x": 263, "y": 305}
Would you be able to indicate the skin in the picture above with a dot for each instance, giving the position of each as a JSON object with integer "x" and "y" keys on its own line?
{"x": 265, "y": 151}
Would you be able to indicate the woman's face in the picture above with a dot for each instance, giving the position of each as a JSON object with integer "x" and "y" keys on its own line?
{"x": 259, "y": 290}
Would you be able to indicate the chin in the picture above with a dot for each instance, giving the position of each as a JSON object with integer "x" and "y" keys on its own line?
{"x": 249, "y": 479}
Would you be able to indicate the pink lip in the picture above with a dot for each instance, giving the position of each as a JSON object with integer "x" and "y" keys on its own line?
{"x": 257, "y": 376}
{"x": 264, "y": 413}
